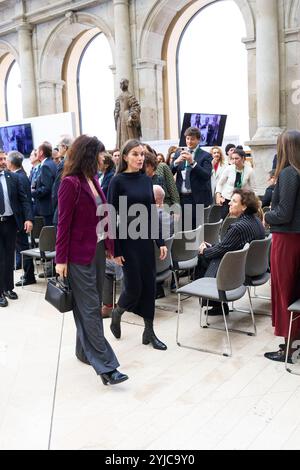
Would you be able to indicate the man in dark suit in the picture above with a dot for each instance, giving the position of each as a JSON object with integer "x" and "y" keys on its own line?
{"x": 15, "y": 207}
{"x": 15, "y": 165}
{"x": 63, "y": 148}
{"x": 42, "y": 191}
{"x": 193, "y": 173}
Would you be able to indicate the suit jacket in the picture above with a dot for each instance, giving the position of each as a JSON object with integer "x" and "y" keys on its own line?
{"x": 106, "y": 180}
{"x": 200, "y": 177}
{"x": 76, "y": 233}
{"x": 19, "y": 199}
{"x": 54, "y": 192}
{"x": 44, "y": 183}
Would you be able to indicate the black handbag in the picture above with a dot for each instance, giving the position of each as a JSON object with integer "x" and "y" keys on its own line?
{"x": 59, "y": 294}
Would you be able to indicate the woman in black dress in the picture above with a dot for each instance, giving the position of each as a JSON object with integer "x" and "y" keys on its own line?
{"x": 135, "y": 253}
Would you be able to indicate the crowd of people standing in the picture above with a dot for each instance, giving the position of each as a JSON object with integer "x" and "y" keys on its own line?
{"x": 70, "y": 187}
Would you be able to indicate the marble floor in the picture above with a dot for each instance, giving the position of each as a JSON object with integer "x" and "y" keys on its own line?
{"x": 174, "y": 399}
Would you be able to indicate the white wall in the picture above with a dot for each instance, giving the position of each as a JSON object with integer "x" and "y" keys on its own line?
{"x": 48, "y": 127}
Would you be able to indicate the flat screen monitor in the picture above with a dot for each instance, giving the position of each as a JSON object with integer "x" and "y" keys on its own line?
{"x": 17, "y": 137}
{"x": 211, "y": 128}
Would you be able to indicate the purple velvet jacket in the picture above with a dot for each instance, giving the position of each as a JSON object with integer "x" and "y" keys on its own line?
{"x": 76, "y": 234}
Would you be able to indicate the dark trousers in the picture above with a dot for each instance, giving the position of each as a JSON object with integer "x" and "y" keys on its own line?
{"x": 23, "y": 244}
{"x": 91, "y": 344}
{"x": 48, "y": 220}
{"x": 8, "y": 232}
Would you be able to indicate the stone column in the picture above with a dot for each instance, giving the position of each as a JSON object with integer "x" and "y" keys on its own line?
{"x": 151, "y": 98}
{"x": 123, "y": 55}
{"x": 47, "y": 96}
{"x": 267, "y": 69}
{"x": 28, "y": 85}
{"x": 263, "y": 144}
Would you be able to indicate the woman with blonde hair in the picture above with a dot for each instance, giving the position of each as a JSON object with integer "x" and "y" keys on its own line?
{"x": 218, "y": 166}
{"x": 284, "y": 221}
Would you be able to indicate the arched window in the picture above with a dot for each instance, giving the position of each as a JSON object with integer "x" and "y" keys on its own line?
{"x": 13, "y": 93}
{"x": 96, "y": 91}
{"x": 212, "y": 67}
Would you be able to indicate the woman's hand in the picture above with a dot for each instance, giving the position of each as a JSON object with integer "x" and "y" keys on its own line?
{"x": 120, "y": 260}
{"x": 163, "y": 252}
{"x": 219, "y": 199}
{"x": 62, "y": 269}
{"x": 202, "y": 247}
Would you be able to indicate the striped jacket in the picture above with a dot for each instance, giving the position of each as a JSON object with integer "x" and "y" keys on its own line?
{"x": 244, "y": 230}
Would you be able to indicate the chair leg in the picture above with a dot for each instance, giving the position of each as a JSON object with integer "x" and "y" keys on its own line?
{"x": 23, "y": 273}
{"x": 176, "y": 279}
{"x": 288, "y": 369}
{"x": 235, "y": 330}
{"x": 200, "y": 349}
{"x": 264, "y": 297}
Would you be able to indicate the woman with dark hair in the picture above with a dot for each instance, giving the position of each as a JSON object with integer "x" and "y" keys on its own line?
{"x": 284, "y": 221}
{"x": 135, "y": 251}
{"x": 80, "y": 254}
{"x": 229, "y": 150}
{"x": 244, "y": 205}
{"x": 150, "y": 169}
{"x": 238, "y": 175}
{"x": 107, "y": 168}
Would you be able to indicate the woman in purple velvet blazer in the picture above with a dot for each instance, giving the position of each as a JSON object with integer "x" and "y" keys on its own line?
{"x": 80, "y": 254}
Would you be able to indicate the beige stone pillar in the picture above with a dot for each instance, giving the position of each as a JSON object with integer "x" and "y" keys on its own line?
{"x": 263, "y": 143}
{"x": 123, "y": 55}
{"x": 151, "y": 98}
{"x": 51, "y": 99}
{"x": 267, "y": 70}
{"x": 28, "y": 84}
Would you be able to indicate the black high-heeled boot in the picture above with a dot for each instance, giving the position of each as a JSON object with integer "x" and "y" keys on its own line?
{"x": 113, "y": 377}
{"x": 150, "y": 337}
{"x": 115, "y": 325}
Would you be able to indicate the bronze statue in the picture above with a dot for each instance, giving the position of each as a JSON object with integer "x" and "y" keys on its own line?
{"x": 127, "y": 115}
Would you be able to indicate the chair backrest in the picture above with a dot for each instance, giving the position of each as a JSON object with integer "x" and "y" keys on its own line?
{"x": 225, "y": 225}
{"x": 163, "y": 265}
{"x": 212, "y": 231}
{"x": 231, "y": 273}
{"x": 47, "y": 239}
{"x": 215, "y": 213}
{"x": 257, "y": 262}
{"x": 206, "y": 213}
{"x": 38, "y": 224}
{"x": 186, "y": 245}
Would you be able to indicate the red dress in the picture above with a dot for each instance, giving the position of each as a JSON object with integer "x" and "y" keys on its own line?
{"x": 285, "y": 281}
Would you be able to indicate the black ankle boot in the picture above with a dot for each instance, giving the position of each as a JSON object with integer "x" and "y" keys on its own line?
{"x": 115, "y": 325}
{"x": 150, "y": 337}
{"x": 113, "y": 377}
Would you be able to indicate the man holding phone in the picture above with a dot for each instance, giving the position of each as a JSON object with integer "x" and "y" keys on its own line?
{"x": 192, "y": 167}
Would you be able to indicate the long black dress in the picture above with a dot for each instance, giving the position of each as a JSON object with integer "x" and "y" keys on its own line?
{"x": 138, "y": 294}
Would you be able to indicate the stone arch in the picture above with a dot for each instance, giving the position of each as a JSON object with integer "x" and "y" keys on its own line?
{"x": 164, "y": 14}
{"x": 56, "y": 52}
{"x": 292, "y": 14}
{"x": 61, "y": 37}
{"x": 163, "y": 25}
{"x": 8, "y": 54}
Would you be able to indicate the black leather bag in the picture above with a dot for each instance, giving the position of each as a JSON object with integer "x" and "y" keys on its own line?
{"x": 59, "y": 294}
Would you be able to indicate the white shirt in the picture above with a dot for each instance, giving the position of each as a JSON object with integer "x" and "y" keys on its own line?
{"x": 8, "y": 210}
